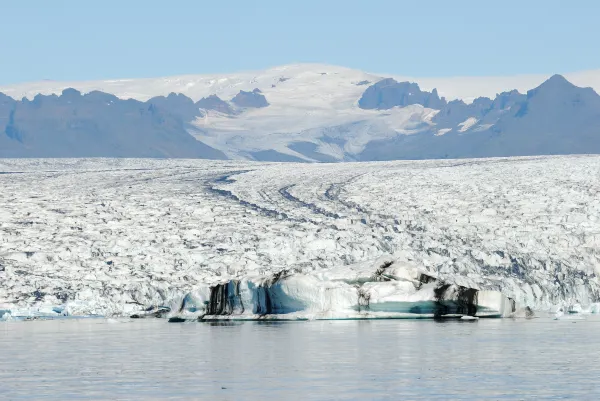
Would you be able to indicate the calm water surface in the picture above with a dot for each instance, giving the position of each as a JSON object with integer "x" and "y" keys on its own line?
{"x": 337, "y": 360}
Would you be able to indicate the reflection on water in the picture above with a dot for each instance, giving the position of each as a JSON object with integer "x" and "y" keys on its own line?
{"x": 152, "y": 359}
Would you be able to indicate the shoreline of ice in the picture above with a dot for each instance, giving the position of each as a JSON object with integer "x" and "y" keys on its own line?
{"x": 381, "y": 289}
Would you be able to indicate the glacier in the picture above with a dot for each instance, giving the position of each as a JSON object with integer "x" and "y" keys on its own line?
{"x": 200, "y": 239}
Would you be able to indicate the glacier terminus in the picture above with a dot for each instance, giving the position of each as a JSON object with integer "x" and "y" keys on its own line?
{"x": 202, "y": 239}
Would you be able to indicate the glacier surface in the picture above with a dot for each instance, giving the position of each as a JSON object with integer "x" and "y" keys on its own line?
{"x": 249, "y": 240}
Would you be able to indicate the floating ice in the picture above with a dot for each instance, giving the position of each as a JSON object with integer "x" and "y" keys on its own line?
{"x": 388, "y": 290}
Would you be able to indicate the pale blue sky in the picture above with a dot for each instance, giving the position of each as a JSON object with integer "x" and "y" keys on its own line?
{"x": 81, "y": 39}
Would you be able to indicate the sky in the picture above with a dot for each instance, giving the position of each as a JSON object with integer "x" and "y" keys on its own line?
{"x": 88, "y": 40}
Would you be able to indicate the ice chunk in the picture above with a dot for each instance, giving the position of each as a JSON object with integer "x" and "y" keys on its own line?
{"x": 392, "y": 289}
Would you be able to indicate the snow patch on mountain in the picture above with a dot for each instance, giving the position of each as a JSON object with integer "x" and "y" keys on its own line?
{"x": 467, "y": 124}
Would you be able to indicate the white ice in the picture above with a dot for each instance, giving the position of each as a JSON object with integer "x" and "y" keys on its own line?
{"x": 115, "y": 237}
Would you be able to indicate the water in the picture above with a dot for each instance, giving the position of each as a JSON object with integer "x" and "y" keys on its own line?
{"x": 321, "y": 360}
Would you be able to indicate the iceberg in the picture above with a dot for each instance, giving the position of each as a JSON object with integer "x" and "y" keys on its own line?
{"x": 392, "y": 289}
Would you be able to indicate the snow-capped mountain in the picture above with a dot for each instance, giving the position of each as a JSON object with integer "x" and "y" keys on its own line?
{"x": 311, "y": 113}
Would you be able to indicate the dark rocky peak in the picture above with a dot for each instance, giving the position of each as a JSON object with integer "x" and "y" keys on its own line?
{"x": 70, "y": 94}
{"x": 178, "y": 105}
{"x": 558, "y": 92}
{"x": 506, "y": 100}
{"x": 484, "y": 109}
{"x": 254, "y": 99}
{"x": 482, "y": 103}
{"x": 101, "y": 97}
{"x": 434, "y": 101}
{"x": 557, "y": 85}
{"x": 389, "y": 93}
{"x": 453, "y": 113}
{"x": 554, "y": 83}
{"x": 172, "y": 98}
{"x": 457, "y": 111}
{"x": 39, "y": 99}
{"x": 213, "y": 102}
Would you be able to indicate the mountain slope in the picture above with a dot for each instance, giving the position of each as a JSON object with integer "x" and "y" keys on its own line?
{"x": 555, "y": 118}
{"x": 96, "y": 125}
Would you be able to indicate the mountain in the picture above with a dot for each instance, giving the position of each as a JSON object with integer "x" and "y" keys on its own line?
{"x": 389, "y": 93}
{"x": 250, "y": 99}
{"x": 98, "y": 124}
{"x": 555, "y": 118}
{"x": 313, "y": 113}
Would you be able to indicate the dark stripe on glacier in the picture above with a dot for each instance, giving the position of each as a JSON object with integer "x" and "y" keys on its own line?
{"x": 230, "y": 195}
{"x": 287, "y": 195}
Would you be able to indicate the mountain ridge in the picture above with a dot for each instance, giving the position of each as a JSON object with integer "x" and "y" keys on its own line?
{"x": 319, "y": 115}
{"x": 95, "y": 124}
{"x": 196, "y": 86}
